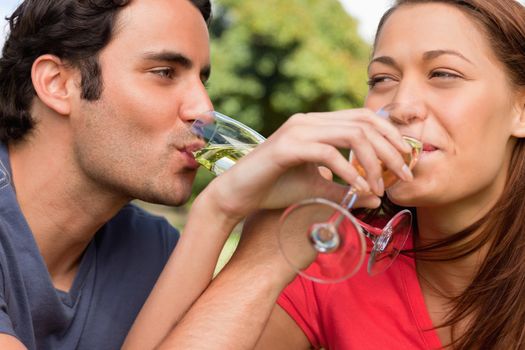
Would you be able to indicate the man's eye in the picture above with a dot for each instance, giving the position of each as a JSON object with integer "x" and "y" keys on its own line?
{"x": 168, "y": 73}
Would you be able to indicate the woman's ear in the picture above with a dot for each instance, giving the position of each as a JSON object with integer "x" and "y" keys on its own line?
{"x": 53, "y": 82}
{"x": 519, "y": 119}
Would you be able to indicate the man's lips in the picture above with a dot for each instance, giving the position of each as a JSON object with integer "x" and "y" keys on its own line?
{"x": 192, "y": 146}
{"x": 187, "y": 152}
{"x": 189, "y": 159}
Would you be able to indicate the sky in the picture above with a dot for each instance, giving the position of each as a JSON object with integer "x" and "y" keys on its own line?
{"x": 368, "y": 13}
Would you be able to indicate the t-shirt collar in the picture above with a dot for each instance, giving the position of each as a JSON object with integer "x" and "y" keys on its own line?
{"x": 5, "y": 170}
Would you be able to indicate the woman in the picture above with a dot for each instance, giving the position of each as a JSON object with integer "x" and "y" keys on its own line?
{"x": 463, "y": 64}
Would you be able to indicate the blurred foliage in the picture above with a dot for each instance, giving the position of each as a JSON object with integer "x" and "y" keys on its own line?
{"x": 274, "y": 58}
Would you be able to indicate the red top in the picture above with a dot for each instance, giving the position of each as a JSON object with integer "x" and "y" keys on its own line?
{"x": 386, "y": 311}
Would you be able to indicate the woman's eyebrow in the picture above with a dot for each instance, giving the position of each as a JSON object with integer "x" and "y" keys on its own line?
{"x": 430, "y": 55}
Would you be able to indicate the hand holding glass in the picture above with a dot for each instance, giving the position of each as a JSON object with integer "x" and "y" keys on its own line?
{"x": 227, "y": 141}
{"x": 327, "y": 230}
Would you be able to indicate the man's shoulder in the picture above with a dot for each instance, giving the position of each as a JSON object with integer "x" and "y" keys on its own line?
{"x": 137, "y": 216}
{"x": 134, "y": 225}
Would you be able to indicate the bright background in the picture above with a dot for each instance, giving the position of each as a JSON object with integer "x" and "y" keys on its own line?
{"x": 367, "y": 12}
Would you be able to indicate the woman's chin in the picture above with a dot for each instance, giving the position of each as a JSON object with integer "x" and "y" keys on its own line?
{"x": 405, "y": 196}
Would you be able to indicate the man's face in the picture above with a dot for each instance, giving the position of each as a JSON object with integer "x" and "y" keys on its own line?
{"x": 133, "y": 141}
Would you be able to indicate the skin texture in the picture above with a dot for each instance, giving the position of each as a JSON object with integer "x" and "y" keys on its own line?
{"x": 148, "y": 101}
{"x": 467, "y": 100}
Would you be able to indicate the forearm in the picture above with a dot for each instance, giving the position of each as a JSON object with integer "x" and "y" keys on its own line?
{"x": 234, "y": 310}
{"x": 186, "y": 275}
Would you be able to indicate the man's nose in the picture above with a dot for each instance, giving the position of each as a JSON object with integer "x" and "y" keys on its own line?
{"x": 196, "y": 102}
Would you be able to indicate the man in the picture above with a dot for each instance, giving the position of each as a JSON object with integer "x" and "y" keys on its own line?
{"x": 95, "y": 102}
{"x": 100, "y": 127}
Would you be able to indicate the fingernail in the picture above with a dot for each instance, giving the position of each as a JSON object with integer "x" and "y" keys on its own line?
{"x": 383, "y": 113}
{"x": 361, "y": 185}
{"x": 380, "y": 187}
{"x": 407, "y": 173}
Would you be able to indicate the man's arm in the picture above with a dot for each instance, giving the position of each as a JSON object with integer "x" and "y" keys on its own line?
{"x": 238, "y": 310}
{"x": 188, "y": 272}
{"x": 8, "y": 342}
{"x": 279, "y": 172}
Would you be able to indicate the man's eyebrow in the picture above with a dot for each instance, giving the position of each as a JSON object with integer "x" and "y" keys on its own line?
{"x": 430, "y": 55}
{"x": 177, "y": 58}
{"x": 171, "y": 57}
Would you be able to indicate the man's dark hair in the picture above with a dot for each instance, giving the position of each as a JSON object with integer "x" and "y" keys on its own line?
{"x": 73, "y": 30}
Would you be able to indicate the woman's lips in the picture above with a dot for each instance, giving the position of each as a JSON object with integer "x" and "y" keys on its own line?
{"x": 429, "y": 148}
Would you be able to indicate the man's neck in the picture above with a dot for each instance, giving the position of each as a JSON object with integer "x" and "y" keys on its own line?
{"x": 63, "y": 208}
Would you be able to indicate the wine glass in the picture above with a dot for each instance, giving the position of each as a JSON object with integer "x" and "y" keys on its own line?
{"x": 226, "y": 141}
{"x": 333, "y": 234}
{"x": 335, "y": 237}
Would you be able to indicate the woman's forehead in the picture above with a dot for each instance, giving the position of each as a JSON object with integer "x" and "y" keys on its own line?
{"x": 432, "y": 26}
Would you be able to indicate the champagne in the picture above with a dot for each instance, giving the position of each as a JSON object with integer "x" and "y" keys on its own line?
{"x": 219, "y": 158}
{"x": 389, "y": 178}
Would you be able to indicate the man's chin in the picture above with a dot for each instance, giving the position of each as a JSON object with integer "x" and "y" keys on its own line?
{"x": 173, "y": 200}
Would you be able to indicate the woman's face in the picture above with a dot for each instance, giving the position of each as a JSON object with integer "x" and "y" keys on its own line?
{"x": 436, "y": 58}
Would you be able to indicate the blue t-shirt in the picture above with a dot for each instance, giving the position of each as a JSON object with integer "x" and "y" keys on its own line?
{"x": 115, "y": 276}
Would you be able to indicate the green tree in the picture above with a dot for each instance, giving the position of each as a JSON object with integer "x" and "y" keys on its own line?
{"x": 274, "y": 58}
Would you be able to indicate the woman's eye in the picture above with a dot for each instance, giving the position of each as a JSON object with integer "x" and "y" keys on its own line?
{"x": 443, "y": 75}
{"x": 164, "y": 72}
{"x": 373, "y": 81}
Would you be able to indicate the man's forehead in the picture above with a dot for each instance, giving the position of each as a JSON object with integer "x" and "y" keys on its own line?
{"x": 162, "y": 25}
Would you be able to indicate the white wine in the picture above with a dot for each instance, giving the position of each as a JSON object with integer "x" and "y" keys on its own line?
{"x": 389, "y": 178}
{"x": 219, "y": 158}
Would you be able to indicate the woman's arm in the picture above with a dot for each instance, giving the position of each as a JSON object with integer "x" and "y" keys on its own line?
{"x": 240, "y": 303}
{"x": 282, "y": 333}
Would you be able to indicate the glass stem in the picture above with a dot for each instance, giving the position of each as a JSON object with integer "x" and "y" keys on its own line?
{"x": 349, "y": 199}
{"x": 348, "y": 203}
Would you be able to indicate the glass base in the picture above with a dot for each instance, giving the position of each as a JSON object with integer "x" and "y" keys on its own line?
{"x": 321, "y": 240}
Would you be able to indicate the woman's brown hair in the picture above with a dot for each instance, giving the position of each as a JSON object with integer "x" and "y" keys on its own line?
{"x": 494, "y": 302}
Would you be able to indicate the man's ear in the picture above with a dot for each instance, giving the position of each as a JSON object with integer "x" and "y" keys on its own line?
{"x": 518, "y": 127}
{"x": 53, "y": 82}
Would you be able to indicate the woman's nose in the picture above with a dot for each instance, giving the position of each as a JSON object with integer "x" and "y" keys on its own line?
{"x": 404, "y": 112}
